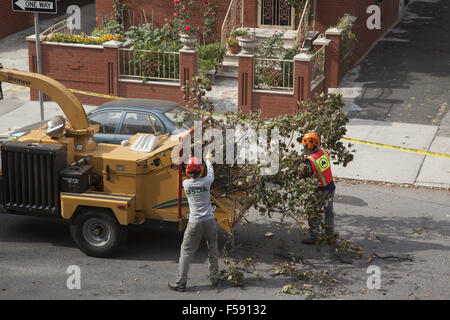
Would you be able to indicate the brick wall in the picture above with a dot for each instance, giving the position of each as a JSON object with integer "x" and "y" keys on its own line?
{"x": 11, "y": 21}
{"x": 94, "y": 69}
{"x": 366, "y": 38}
{"x": 161, "y": 9}
{"x": 329, "y": 12}
{"x": 274, "y": 103}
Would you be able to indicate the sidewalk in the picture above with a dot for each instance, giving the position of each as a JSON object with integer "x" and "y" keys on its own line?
{"x": 398, "y": 95}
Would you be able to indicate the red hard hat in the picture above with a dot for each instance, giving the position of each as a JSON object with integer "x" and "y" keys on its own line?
{"x": 194, "y": 165}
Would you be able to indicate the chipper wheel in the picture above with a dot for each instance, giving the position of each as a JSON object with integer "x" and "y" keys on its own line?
{"x": 97, "y": 232}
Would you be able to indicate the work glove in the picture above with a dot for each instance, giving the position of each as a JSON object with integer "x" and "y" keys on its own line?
{"x": 209, "y": 155}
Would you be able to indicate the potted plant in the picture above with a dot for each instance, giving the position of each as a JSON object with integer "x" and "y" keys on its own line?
{"x": 189, "y": 38}
{"x": 188, "y": 29}
{"x": 233, "y": 45}
{"x": 246, "y": 40}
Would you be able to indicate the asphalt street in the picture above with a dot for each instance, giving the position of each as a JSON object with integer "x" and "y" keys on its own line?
{"x": 403, "y": 231}
{"x": 406, "y": 76}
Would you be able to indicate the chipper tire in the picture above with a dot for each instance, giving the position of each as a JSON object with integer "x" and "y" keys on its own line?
{"x": 97, "y": 232}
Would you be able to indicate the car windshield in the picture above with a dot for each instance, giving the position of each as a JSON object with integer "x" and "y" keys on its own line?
{"x": 177, "y": 114}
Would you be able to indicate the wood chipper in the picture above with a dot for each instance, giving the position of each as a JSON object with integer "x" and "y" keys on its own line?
{"x": 100, "y": 188}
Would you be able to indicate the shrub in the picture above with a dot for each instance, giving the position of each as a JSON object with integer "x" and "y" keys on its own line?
{"x": 211, "y": 56}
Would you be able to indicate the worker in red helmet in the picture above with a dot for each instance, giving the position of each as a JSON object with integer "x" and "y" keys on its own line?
{"x": 319, "y": 160}
{"x": 202, "y": 223}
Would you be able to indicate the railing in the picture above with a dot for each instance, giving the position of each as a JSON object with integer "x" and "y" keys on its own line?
{"x": 303, "y": 26}
{"x": 234, "y": 14}
{"x": 318, "y": 64}
{"x": 149, "y": 65}
{"x": 65, "y": 27}
{"x": 273, "y": 74}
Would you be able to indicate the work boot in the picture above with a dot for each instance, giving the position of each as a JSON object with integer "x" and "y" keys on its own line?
{"x": 216, "y": 284}
{"x": 176, "y": 287}
{"x": 309, "y": 240}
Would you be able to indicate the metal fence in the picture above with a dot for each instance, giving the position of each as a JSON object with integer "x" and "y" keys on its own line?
{"x": 318, "y": 62}
{"x": 65, "y": 27}
{"x": 273, "y": 74}
{"x": 149, "y": 65}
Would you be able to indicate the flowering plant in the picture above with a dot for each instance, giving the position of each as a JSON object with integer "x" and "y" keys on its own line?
{"x": 83, "y": 38}
{"x": 182, "y": 18}
{"x": 232, "y": 42}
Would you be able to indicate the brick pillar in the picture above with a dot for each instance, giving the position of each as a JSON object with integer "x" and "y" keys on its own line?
{"x": 111, "y": 60}
{"x": 245, "y": 82}
{"x": 317, "y": 45}
{"x": 302, "y": 76}
{"x": 188, "y": 66}
{"x": 334, "y": 57}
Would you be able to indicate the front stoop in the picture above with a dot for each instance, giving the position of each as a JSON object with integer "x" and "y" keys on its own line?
{"x": 230, "y": 64}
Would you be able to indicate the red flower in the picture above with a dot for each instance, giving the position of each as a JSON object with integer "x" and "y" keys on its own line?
{"x": 96, "y": 18}
{"x": 175, "y": 14}
{"x": 188, "y": 28}
{"x": 184, "y": 8}
{"x": 166, "y": 20}
{"x": 206, "y": 2}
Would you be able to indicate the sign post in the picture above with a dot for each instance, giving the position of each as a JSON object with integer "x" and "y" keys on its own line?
{"x": 47, "y": 6}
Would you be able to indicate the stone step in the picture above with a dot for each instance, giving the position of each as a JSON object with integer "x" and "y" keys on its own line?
{"x": 288, "y": 37}
{"x": 223, "y": 74}
{"x": 230, "y": 66}
{"x": 230, "y": 63}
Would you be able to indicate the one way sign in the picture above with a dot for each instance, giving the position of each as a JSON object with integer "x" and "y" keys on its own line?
{"x": 44, "y": 6}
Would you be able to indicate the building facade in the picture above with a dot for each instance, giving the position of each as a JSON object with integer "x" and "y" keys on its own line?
{"x": 270, "y": 14}
{"x": 12, "y": 22}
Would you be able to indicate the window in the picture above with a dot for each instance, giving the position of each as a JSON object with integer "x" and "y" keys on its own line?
{"x": 136, "y": 122}
{"x": 178, "y": 113}
{"x": 107, "y": 121}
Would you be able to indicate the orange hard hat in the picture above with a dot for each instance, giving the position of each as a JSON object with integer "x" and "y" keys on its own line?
{"x": 311, "y": 140}
{"x": 194, "y": 165}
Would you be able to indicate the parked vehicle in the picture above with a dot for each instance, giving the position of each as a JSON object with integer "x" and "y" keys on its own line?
{"x": 121, "y": 119}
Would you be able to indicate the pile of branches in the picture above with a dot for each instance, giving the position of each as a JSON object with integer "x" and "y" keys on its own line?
{"x": 284, "y": 185}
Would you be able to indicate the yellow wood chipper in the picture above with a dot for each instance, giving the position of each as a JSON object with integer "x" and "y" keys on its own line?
{"x": 100, "y": 188}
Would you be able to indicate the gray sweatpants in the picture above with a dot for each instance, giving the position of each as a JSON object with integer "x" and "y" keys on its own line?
{"x": 193, "y": 235}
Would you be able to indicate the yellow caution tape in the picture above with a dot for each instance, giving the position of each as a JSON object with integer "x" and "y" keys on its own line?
{"x": 100, "y": 95}
{"x": 389, "y": 146}
{"x": 370, "y": 143}
{"x": 16, "y": 89}
{"x": 382, "y": 145}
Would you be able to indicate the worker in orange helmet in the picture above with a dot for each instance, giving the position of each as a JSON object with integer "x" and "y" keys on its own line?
{"x": 202, "y": 223}
{"x": 319, "y": 160}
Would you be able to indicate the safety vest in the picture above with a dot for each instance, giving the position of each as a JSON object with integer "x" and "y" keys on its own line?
{"x": 320, "y": 163}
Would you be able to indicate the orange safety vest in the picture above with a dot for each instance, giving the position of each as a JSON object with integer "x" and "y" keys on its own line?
{"x": 320, "y": 163}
